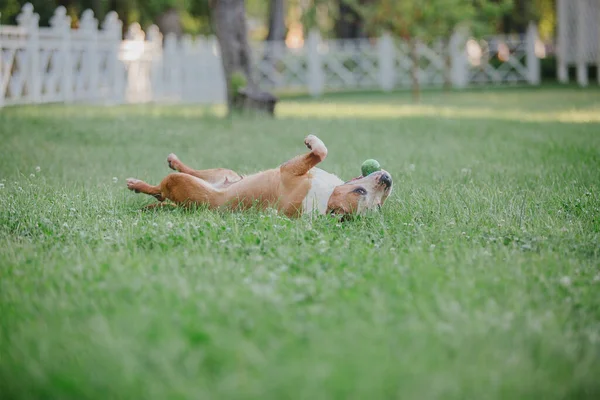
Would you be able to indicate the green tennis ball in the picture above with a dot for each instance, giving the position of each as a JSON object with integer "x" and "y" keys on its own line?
{"x": 370, "y": 166}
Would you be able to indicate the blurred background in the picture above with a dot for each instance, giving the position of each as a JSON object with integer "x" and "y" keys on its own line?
{"x": 267, "y": 19}
{"x": 191, "y": 50}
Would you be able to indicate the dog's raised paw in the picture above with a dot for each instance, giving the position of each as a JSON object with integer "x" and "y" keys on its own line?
{"x": 173, "y": 161}
{"x": 132, "y": 184}
{"x": 309, "y": 141}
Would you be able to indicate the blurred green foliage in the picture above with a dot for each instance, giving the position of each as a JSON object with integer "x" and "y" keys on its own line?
{"x": 432, "y": 17}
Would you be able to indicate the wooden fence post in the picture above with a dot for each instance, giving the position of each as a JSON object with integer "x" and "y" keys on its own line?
{"x": 314, "y": 67}
{"x": 189, "y": 92}
{"x": 61, "y": 23}
{"x": 173, "y": 65}
{"x": 562, "y": 73}
{"x": 217, "y": 88}
{"x": 582, "y": 73}
{"x": 531, "y": 58}
{"x": 89, "y": 25}
{"x": 135, "y": 53}
{"x": 203, "y": 57}
{"x": 459, "y": 73}
{"x": 30, "y": 21}
{"x": 156, "y": 76}
{"x": 386, "y": 50}
{"x": 113, "y": 28}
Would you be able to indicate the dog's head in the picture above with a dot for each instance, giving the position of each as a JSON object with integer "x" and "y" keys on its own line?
{"x": 360, "y": 194}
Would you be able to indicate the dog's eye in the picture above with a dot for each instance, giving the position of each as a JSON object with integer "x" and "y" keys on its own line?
{"x": 360, "y": 191}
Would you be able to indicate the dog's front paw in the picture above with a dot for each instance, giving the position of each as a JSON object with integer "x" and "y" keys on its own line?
{"x": 173, "y": 161}
{"x": 133, "y": 184}
{"x": 311, "y": 140}
{"x": 316, "y": 146}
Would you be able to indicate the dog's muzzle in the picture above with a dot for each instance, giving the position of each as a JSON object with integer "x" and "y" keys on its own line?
{"x": 386, "y": 180}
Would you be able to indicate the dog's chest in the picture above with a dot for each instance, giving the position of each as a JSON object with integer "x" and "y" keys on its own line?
{"x": 322, "y": 185}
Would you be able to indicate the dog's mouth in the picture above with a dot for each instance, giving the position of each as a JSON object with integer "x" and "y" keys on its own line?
{"x": 341, "y": 216}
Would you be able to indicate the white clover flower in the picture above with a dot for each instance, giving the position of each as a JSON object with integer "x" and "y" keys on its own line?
{"x": 32, "y": 175}
{"x": 466, "y": 171}
{"x": 38, "y": 169}
{"x": 169, "y": 225}
{"x": 115, "y": 179}
{"x": 565, "y": 281}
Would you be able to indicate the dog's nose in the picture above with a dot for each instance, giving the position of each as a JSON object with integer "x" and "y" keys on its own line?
{"x": 385, "y": 179}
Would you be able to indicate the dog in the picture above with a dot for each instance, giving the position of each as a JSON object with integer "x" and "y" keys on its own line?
{"x": 295, "y": 188}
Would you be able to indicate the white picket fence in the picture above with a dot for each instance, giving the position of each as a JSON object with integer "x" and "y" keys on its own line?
{"x": 386, "y": 63}
{"x": 578, "y": 38}
{"x": 93, "y": 64}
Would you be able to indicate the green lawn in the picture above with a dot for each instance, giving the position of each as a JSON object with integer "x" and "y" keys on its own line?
{"x": 480, "y": 278}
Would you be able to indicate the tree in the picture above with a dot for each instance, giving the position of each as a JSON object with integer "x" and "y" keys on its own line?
{"x": 229, "y": 19}
{"x": 480, "y": 17}
{"x": 277, "y": 13}
{"x": 542, "y": 12}
{"x": 417, "y": 21}
{"x": 349, "y": 24}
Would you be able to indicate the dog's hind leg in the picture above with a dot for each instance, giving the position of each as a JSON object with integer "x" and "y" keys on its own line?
{"x": 139, "y": 186}
{"x": 215, "y": 176}
{"x": 181, "y": 189}
{"x": 184, "y": 189}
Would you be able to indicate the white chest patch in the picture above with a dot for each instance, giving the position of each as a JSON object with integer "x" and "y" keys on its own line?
{"x": 322, "y": 185}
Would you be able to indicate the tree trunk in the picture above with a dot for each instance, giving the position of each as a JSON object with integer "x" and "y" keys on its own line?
{"x": 274, "y": 48}
{"x": 276, "y": 20}
{"x": 517, "y": 19}
{"x": 414, "y": 70}
{"x": 229, "y": 19}
{"x": 169, "y": 21}
{"x": 349, "y": 24}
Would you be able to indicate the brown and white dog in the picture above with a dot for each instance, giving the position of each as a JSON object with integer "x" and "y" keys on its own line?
{"x": 294, "y": 188}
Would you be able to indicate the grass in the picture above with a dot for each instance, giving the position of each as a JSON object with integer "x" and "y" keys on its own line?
{"x": 480, "y": 278}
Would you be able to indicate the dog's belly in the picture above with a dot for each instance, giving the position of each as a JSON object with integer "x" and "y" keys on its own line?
{"x": 322, "y": 185}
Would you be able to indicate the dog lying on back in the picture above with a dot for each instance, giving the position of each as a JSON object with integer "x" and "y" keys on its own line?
{"x": 294, "y": 188}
